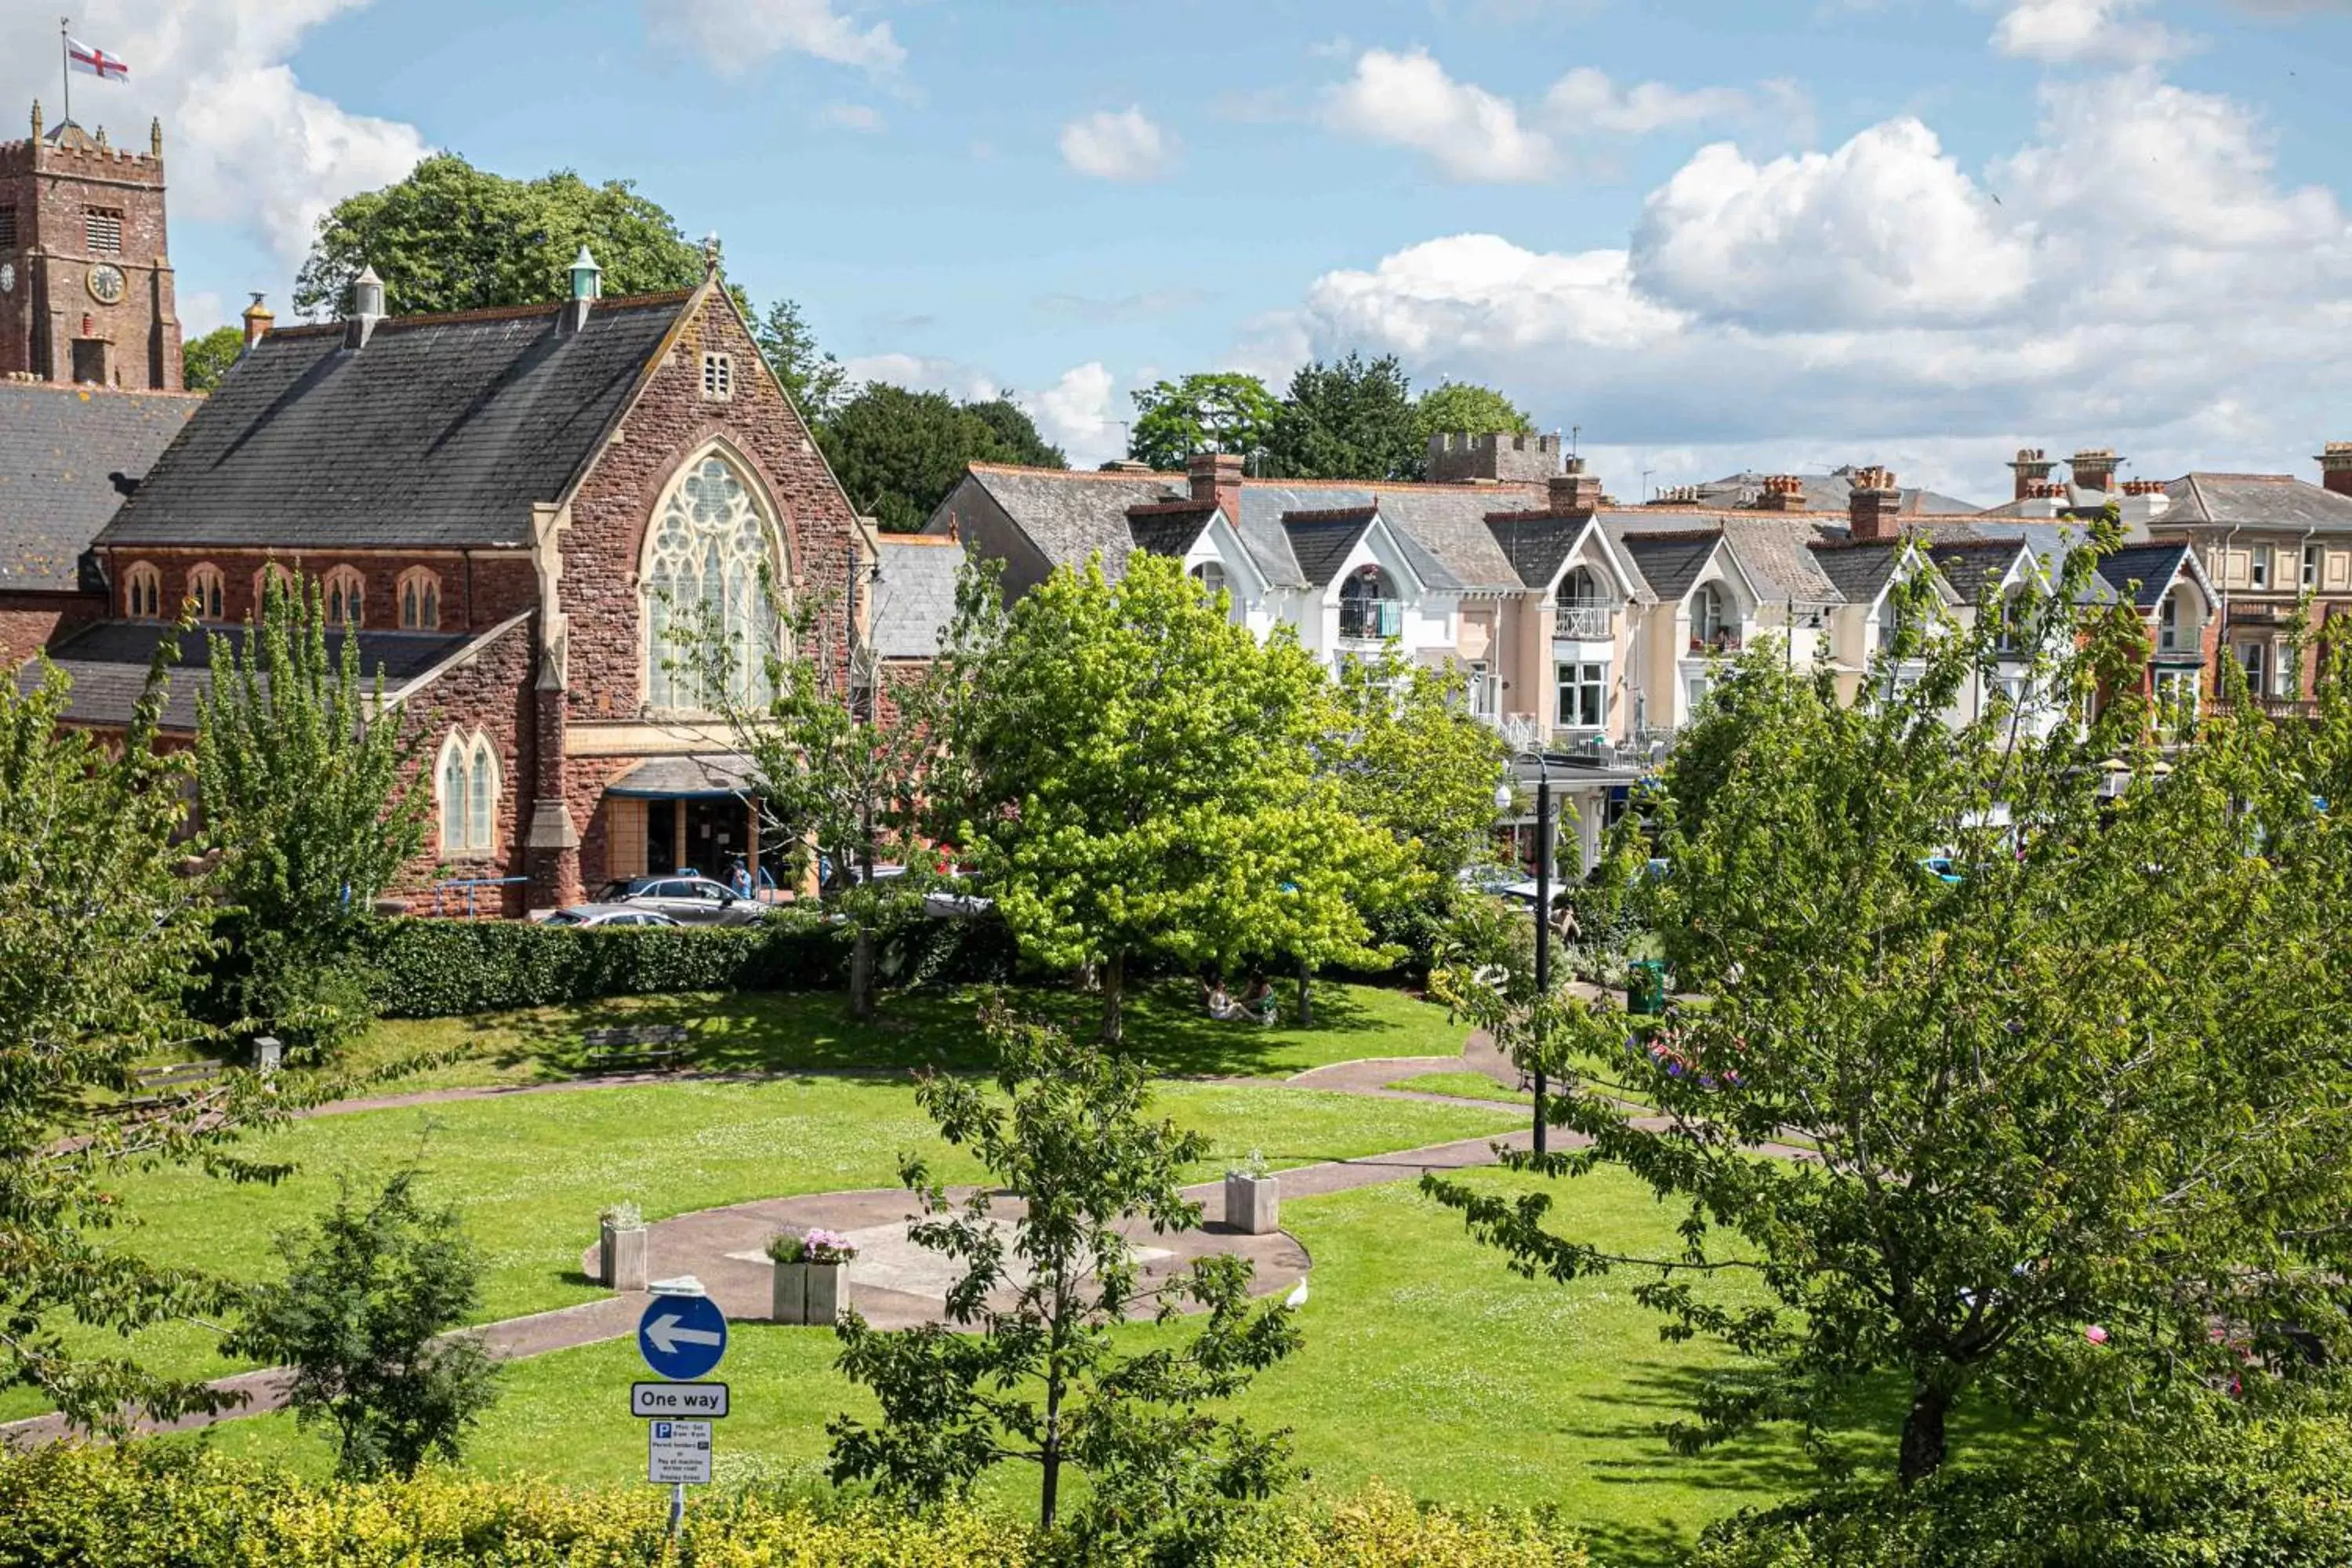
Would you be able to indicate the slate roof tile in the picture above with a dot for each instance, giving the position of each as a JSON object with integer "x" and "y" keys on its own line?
{"x": 57, "y": 445}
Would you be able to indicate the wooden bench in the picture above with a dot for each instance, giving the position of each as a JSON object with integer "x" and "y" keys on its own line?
{"x": 156, "y": 1084}
{"x": 635, "y": 1047}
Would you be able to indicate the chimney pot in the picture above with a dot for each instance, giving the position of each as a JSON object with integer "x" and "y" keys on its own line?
{"x": 2031, "y": 466}
{"x": 257, "y": 322}
{"x": 1782, "y": 492}
{"x": 1873, "y": 508}
{"x": 1216, "y": 479}
{"x": 2094, "y": 468}
{"x": 1574, "y": 492}
{"x": 2335, "y": 466}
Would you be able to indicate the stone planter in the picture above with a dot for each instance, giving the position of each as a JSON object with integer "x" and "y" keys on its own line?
{"x": 1253, "y": 1204}
{"x": 622, "y": 1253}
{"x": 812, "y": 1294}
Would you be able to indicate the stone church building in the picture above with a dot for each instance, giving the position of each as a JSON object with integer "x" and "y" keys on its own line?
{"x": 518, "y": 513}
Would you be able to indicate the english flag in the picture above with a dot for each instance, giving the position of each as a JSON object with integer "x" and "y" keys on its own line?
{"x": 95, "y": 62}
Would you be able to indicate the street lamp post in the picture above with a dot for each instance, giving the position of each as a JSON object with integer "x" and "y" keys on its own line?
{"x": 1543, "y": 920}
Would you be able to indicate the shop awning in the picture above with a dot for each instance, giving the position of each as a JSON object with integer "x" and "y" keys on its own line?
{"x": 685, "y": 778}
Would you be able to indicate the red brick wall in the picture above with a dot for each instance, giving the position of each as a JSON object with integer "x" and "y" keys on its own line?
{"x": 30, "y": 622}
{"x": 490, "y": 691}
{"x": 476, "y": 591}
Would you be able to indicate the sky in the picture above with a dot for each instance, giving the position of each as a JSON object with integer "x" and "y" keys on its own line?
{"x": 1705, "y": 236}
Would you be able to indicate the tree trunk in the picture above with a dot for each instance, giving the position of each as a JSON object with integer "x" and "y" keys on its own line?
{"x": 1049, "y": 1458}
{"x": 1922, "y": 1434}
{"x": 1114, "y": 991}
{"x": 861, "y": 974}
{"x": 1306, "y": 995}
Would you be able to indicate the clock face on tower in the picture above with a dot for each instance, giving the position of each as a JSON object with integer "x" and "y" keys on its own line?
{"x": 106, "y": 283}
{"x": 8, "y": 276}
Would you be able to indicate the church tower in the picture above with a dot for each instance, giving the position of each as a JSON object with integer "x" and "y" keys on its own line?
{"x": 85, "y": 281}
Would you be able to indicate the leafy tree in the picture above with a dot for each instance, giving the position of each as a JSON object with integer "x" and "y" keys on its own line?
{"x": 1347, "y": 420}
{"x": 1465, "y": 407}
{"x": 898, "y": 453}
{"x": 815, "y": 380}
{"x": 2097, "y": 1082}
{"x": 1041, "y": 1378}
{"x": 362, "y": 1317}
{"x": 1209, "y": 411}
{"x": 205, "y": 359}
{"x": 301, "y": 775}
{"x": 103, "y": 922}
{"x": 449, "y": 236}
{"x": 1140, "y": 775}
{"x": 1410, "y": 755}
{"x": 1016, "y": 434}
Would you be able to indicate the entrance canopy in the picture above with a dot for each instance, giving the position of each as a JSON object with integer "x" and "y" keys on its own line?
{"x": 713, "y": 777}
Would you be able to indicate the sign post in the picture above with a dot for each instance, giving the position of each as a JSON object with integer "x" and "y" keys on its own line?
{"x": 682, "y": 1336}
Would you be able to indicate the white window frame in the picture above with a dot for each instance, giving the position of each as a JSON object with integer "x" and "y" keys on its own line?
{"x": 2258, "y": 565}
{"x": 467, "y": 783}
{"x": 2255, "y": 659}
{"x": 1580, "y": 696}
{"x": 672, "y": 581}
{"x": 2311, "y": 566}
{"x": 1478, "y": 675}
{"x": 2169, "y": 686}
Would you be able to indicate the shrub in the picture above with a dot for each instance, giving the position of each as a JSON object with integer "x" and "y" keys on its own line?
{"x": 2224, "y": 1491}
{"x": 178, "y": 1505}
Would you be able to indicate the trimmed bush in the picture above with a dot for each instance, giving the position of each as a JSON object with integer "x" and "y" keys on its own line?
{"x": 434, "y": 969}
{"x": 178, "y": 1506}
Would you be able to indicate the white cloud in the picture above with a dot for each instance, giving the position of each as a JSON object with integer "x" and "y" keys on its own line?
{"x": 2144, "y": 280}
{"x": 924, "y": 373}
{"x": 1408, "y": 100}
{"x": 735, "y": 35}
{"x": 859, "y": 117}
{"x": 243, "y": 142}
{"x": 2094, "y": 32}
{"x": 1586, "y": 99}
{"x": 1885, "y": 229}
{"x": 1076, "y": 415}
{"x": 1124, "y": 145}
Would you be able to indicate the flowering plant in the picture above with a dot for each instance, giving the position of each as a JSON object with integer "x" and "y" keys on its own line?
{"x": 816, "y": 1247}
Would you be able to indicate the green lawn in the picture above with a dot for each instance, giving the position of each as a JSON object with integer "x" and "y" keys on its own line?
{"x": 802, "y": 1031}
{"x": 1463, "y": 1085}
{"x": 1427, "y": 1365}
{"x": 529, "y": 1172}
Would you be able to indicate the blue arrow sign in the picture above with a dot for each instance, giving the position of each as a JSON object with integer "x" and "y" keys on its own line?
{"x": 682, "y": 1337}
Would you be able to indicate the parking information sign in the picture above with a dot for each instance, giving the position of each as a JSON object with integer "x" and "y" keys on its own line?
{"x": 678, "y": 1453}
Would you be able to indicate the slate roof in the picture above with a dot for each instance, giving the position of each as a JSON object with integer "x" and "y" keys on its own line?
{"x": 442, "y": 432}
{"x": 1320, "y": 541}
{"x": 1860, "y": 572}
{"x": 108, "y": 661}
{"x": 1171, "y": 528}
{"x": 1974, "y": 567}
{"x": 1778, "y": 555}
{"x": 916, "y": 598}
{"x": 1669, "y": 562}
{"x": 2151, "y": 567}
{"x": 1442, "y": 529}
{"x": 1535, "y": 544}
{"x": 1070, "y": 515}
{"x": 58, "y": 444}
{"x": 1832, "y": 491}
{"x": 2265, "y": 500}
{"x": 685, "y": 778}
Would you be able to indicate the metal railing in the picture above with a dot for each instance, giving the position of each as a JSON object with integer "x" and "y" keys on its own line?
{"x": 1585, "y": 622}
{"x": 1371, "y": 619}
{"x": 444, "y": 894}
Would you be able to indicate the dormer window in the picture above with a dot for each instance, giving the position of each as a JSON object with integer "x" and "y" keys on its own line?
{"x": 1714, "y": 628}
{"x": 420, "y": 600}
{"x": 346, "y": 591}
{"x": 1583, "y": 608}
{"x": 142, "y": 592}
{"x": 1369, "y": 606}
{"x": 717, "y": 377}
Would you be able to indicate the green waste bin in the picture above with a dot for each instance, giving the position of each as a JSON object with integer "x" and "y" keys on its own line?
{"x": 1646, "y": 986}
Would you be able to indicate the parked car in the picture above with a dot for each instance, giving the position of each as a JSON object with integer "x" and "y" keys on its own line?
{"x": 688, "y": 901}
{"x": 608, "y": 915}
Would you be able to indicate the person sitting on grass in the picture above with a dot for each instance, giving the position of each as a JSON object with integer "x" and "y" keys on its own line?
{"x": 1258, "y": 1002}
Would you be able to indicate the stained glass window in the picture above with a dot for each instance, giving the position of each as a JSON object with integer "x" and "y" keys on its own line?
{"x": 708, "y": 565}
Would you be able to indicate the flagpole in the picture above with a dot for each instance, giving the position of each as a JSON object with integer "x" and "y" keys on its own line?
{"x": 65, "y": 64}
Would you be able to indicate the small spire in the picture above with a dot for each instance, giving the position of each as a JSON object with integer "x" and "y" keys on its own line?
{"x": 36, "y": 120}
{"x": 155, "y": 137}
{"x": 586, "y": 277}
{"x": 711, "y": 254}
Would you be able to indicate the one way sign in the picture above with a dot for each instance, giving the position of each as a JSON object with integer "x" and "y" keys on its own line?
{"x": 682, "y": 1337}
{"x": 694, "y": 1401}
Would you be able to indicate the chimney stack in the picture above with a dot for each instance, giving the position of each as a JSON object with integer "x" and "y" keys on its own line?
{"x": 2094, "y": 468}
{"x": 1874, "y": 507}
{"x": 2335, "y": 466}
{"x": 1575, "y": 492}
{"x": 2032, "y": 467}
{"x": 257, "y": 322}
{"x": 1782, "y": 492}
{"x": 367, "y": 309}
{"x": 1216, "y": 479}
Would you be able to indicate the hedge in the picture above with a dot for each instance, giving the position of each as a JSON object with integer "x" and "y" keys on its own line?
{"x": 435, "y": 969}
{"x": 181, "y": 1506}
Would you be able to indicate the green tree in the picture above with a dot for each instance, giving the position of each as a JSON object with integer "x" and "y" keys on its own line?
{"x": 362, "y": 1317}
{"x": 1140, "y": 775}
{"x": 205, "y": 359}
{"x": 898, "y": 453}
{"x": 1459, "y": 408}
{"x": 815, "y": 379}
{"x": 2096, "y": 1082}
{"x": 1409, "y": 756}
{"x": 1210, "y": 411}
{"x": 449, "y": 236}
{"x": 1033, "y": 1369}
{"x": 1347, "y": 420}
{"x": 103, "y": 920}
{"x": 300, "y": 770}
{"x": 1016, "y": 434}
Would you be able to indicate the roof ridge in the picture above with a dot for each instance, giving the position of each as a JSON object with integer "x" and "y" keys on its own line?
{"x": 1163, "y": 474}
{"x": 86, "y": 391}
{"x": 490, "y": 313}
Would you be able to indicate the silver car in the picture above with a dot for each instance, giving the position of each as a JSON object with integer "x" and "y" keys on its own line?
{"x": 608, "y": 915}
{"x": 688, "y": 901}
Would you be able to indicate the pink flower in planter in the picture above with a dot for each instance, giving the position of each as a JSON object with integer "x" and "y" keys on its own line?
{"x": 2095, "y": 1335}
{"x": 827, "y": 1247}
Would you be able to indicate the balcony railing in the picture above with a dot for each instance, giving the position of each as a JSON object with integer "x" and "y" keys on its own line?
{"x": 1722, "y": 640}
{"x": 1584, "y": 623}
{"x": 1372, "y": 620}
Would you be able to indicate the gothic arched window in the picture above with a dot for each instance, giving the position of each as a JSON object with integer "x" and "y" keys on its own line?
{"x": 273, "y": 572}
{"x": 209, "y": 590}
{"x": 346, "y": 591}
{"x": 467, "y": 785}
{"x": 142, "y": 592}
{"x": 420, "y": 600}
{"x": 712, "y": 563}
